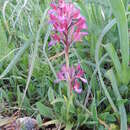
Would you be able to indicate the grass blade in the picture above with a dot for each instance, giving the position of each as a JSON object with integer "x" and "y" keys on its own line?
{"x": 112, "y": 53}
{"x": 119, "y": 12}
{"x": 44, "y": 50}
{"x": 3, "y": 41}
{"x": 98, "y": 44}
{"x": 34, "y": 54}
{"x": 16, "y": 58}
{"x": 125, "y": 3}
{"x": 122, "y": 110}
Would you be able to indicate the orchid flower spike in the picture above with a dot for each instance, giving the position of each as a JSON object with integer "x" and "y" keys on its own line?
{"x": 69, "y": 26}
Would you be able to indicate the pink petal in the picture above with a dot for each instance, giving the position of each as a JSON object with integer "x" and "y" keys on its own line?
{"x": 64, "y": 69}
{"x": 84, "y": 33}
{"x": 56, "y": 37}
{"x": 72, "y": 71}
{"x": 84, "y": 26}
{"x": 77, "y": 37}
{"x": 80, "y": 73}
{"x": 53, "y": 6}
{"x": 55, "y": 26}
{"x": 51, "y": 43}
{"x": 61, "y": 18}
{"x": 76, "y": 87}
{"x": 78, "y": 90}
{"x": 51, "y": 11}
{"x": 53, "y": 18}
{"x": 84, "y": 80}
{"x": 78, "y": 67}
{"x": 61, "y": 3}
{"x": 60, "y": 76}
{"x": 76, "y": 14}
{"x": 81, "y": 23}
{"x": 60, "y": 29}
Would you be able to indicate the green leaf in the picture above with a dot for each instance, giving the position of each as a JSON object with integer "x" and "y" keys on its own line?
{"x": 69, "y": 126}
{"x": 123, "y": 90}
{"x": 98, "y": 44}
{"x": 125, "y": 3}
{"x": 3, "y": 42}
{"x": 121, "y": 102}
{"x": 83, "y": 117}
{"x": 39, "y": 119}
{"x": 51, "y": 94}
{"x": 107, "y": 117}
{"x": 44, "y": 110}
{"x": 26, "y": 102}
{"x": 94, "y": 110}
{"x": 119, "y": 12}
{"x": 16, "y": 58}
{"x": 122, "y": 110}
{"x": 58, "y": 100}
{"x": 101, "y": 127}
{"x": 112, "y": 53}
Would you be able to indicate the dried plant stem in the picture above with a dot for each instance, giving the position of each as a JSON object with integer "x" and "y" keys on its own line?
{"x": 104, "y": 124}
{"x": 57, "y": 55}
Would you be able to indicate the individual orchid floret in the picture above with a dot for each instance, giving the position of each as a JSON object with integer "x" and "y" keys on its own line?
{"x": 68, "y": 24}
{"x": 77, "y": 87}
{"x": 75, "y": 75}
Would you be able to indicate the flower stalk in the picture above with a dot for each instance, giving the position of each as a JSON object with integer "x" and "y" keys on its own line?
{"x": 67, "y": 67}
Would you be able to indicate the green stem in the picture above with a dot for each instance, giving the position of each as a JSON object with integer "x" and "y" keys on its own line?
{"x": 67, "y": 66}
{"x": 67, "y": 57}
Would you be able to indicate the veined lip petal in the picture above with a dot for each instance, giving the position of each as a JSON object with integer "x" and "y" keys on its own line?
{"x": 76, "y": 87}
{"x": 80, "y": 73}
{"x": 56, "y": 37}
{"x": 77, "y": 36}
{"x": 64, "y": 69}
{"x": 60, "y": 76}
{"x": 78, "y": 90}
{"x": 51, "y": 11}
{"x": 76, "y": 14}
{"x": 84, "y": 33}
{"x": 61, "y": 18}
{"x": 60, "y": 29}
{"x": 51, "y": 43}
{"x": 84, "y": 26}
{"x": 84, "y": 80}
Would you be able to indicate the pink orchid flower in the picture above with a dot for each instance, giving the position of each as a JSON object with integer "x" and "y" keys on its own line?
{"x": 68, "y": 24}
{"x": 75, "y": 75}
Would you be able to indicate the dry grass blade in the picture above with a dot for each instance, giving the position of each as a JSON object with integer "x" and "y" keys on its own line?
{"x": 57, "y": 55}
{"x": 34, "y": 54}
{"x": 7, "y": 121}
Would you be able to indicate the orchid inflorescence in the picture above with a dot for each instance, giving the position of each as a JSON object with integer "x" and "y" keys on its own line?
{"x": 75, "y": 74}
{"x": 69, "y": 26}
